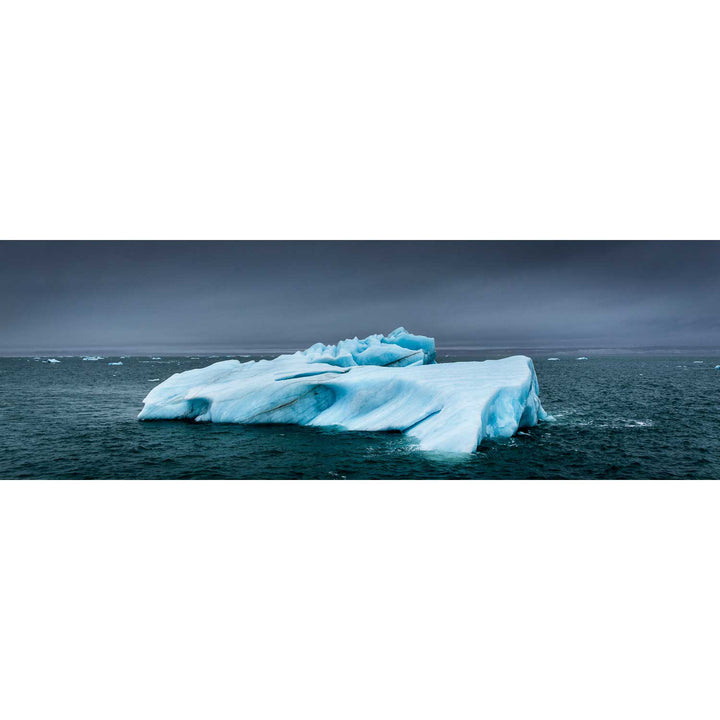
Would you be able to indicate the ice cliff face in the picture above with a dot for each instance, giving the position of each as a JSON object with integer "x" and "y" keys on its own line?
{"x": 380, "y": 383}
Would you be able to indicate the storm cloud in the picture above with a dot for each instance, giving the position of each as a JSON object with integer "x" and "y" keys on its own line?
{"x": 170, "y": 296}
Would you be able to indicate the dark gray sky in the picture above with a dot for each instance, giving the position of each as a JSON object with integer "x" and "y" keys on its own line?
{"x": 205, "y": 296}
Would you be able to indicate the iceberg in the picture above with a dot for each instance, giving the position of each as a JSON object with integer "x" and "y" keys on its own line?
{"x": 581, "y": 358}
{"x": 380, "y": 383}
{"x": 115, "y": 363}
{"x": 51, "y": 360}
{"x": 553, "y": 358}
{"x": 717, "y": 367}
{"x": 93, "y": 357}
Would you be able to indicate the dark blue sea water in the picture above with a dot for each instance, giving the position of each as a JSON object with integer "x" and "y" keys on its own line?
{"x": 617, "y": 416}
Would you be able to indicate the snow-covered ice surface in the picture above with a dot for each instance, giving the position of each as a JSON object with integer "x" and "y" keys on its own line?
{"x": 379, "y": 383}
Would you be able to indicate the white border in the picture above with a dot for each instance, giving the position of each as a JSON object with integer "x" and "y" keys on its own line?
{"x": 381, "y": 119}
{"x": 359, "y": 600}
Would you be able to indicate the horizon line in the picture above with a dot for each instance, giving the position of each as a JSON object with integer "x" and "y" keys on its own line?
{"x": 269, "y": 350}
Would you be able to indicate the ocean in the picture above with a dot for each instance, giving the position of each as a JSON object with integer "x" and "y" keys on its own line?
{"x": 620, "y": 416}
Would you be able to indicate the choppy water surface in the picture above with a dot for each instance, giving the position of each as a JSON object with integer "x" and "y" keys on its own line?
{"x": 629, "y": 416}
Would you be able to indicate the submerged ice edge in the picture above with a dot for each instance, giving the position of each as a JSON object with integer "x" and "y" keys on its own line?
{"x": 379, "y": 383}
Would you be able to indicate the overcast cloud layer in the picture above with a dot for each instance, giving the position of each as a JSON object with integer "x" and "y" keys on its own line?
{"x": 205, "y": 296}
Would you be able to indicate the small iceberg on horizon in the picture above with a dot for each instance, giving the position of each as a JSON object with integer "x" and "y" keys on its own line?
{"x": 115, "y": 363}
{"x": 553, "y": 358}
{"x": 51, "y": 360}
{"x": 93, "y": 357}
{"x": 379, "y": 383}
{"x": 581, "y": 358}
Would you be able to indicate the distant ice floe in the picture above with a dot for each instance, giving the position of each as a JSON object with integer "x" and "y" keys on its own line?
{"x": 51, "y": 360}
{"x": 380, "y": 383}
{"x": 581, "y": 358}
{"x": 93, "y": 357}
{"x": 553, "y": 358}
{"x": 156, "y": 358}
{"x": 153, "y": 379}
{"x": 698, "y": 362}
{"x": 115, "y": 363}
